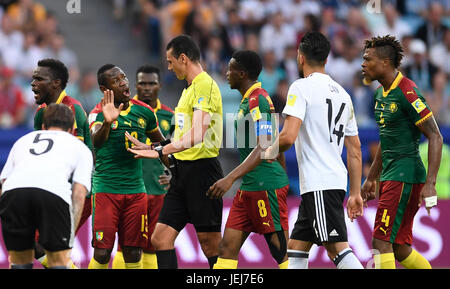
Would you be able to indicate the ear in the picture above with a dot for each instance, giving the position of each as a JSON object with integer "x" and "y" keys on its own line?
{"x": 103, "y": 88}
{"x": 42, "y": 127}
{"x": 57, "y": 83}
{"x": 183, "y": 58}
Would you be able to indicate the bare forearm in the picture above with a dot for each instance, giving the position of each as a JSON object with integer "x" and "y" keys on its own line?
{"x": 354, "y": 166}
{"x": 78, "y": 199}
{"x": 431, "y": 130}
{"x": 376, "y": 167}
{"x": 251, "y": 162}
{"x": 434, "y": 158}
{"x": 100, "y": 134}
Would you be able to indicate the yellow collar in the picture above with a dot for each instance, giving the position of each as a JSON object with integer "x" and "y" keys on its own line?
{"x": 250, "y": 90}
{"x": 61, "y": 96}
{"x": 126, "y": 111}
{"x": 394, "y": 84}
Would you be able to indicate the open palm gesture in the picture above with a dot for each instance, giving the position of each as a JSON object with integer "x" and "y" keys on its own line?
{"x": 110, "y": 111}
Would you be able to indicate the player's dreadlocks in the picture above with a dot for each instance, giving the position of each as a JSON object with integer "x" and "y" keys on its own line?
{"x": 386, "y": 47}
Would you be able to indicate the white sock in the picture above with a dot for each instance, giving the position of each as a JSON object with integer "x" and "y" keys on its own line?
{"x": 347, "y": 260}
{"x": 297, "y": 259}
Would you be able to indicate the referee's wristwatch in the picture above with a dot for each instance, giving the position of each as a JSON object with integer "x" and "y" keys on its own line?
{"x": 159, "y": 150}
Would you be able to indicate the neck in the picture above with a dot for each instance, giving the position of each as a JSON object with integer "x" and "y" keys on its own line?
{"x": 193, "y": 70}
{"x": 308, "y": 70}
{"x": 152, "y": 102}
{"x": 54, "y": 128}
{"x": 125, "y": 105}
{"x": 387, "y": 79}
{"x": 246, "y": 85}
{"x": 54, "y": 97}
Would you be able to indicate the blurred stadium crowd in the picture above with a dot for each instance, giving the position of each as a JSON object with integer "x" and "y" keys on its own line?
{"x": 29, "y": 32}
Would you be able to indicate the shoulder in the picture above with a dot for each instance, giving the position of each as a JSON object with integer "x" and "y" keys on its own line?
{"x": 299, "y": 84}
{"x": 41, "y": 108}
{"x": 166, "y": 108}
{"x": 93, "y": 114}
{"x": 206, "y": 83}
{"x": 258, "y": 97}
{"x": 408, "y": 89}
{"x": 141, "y": 104}
{"x": 68, "y": 100}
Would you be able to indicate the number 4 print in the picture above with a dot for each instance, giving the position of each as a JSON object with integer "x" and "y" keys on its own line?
{"x": 339, "y": 133}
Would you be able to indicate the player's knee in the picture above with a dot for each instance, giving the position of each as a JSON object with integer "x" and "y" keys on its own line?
{"x": 227, "y": 250}
{"x": 132, "y": 254}
{"x": 278, "y": 250}
{"x": 158, "y": 242}
{"x": 381, "y": 246}
{"x": 209, "y": 243}
{"x": 102, "y": 256}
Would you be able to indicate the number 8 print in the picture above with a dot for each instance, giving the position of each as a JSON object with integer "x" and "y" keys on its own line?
{"x": 262, "y": 208}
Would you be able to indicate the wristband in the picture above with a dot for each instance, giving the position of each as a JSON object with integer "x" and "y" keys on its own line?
{"x": 159, "y": 150}
{"x": 430, "y": 201}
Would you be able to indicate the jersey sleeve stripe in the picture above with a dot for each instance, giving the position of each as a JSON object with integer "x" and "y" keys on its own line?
{"x": 94, "y": 123}
{"x": 420, "y": 121}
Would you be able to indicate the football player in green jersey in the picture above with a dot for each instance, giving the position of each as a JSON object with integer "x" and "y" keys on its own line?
{"x": 156, "y": 180}
{"x": 48, "y": 83}
{"x": 402, "y": 115}
{"x": 260, "y": 203}
{"x": 119, "y": 195}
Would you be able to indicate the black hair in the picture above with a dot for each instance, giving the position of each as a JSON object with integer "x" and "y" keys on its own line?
{"x": 386, "y": 47}
{"x": 250, "y": 62}
{"x": 101, "y": 73}
{"x": 57, "y": 70}
{"x": 184, "y": 44}
{"x": 148, "y": 69}
{"x": 316, "y": 47}
{"x": 58, "y": 115}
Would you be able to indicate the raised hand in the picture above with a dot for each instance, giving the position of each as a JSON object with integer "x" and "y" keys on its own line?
{"x": 110, "y": 111}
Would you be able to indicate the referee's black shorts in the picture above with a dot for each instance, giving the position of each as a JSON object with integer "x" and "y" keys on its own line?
{"x": 187, "y": 202}
{"x": 25, "y": 210}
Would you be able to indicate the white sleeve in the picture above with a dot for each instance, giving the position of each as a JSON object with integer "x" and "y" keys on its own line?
{"x": 351, "y": 128}
{"x": 83, "y": 170}
{"x": 9, "y": 165}
{"x": 295, "y": 102}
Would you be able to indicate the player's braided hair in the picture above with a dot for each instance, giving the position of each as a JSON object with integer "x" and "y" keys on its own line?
{"x": 386, "y": 47}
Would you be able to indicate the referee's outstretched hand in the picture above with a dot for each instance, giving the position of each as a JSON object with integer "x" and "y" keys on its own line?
{"x": 136, "y": 144}
{"x": 219, "y": 188}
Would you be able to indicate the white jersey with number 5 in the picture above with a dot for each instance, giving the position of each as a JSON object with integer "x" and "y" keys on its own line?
{"x": 326, "y": 111}
{"x": 50, "y": 160}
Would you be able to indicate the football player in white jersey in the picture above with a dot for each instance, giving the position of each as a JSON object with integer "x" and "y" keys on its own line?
{"x": 45, "y": 181}
{"x": 320, "y": 121}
